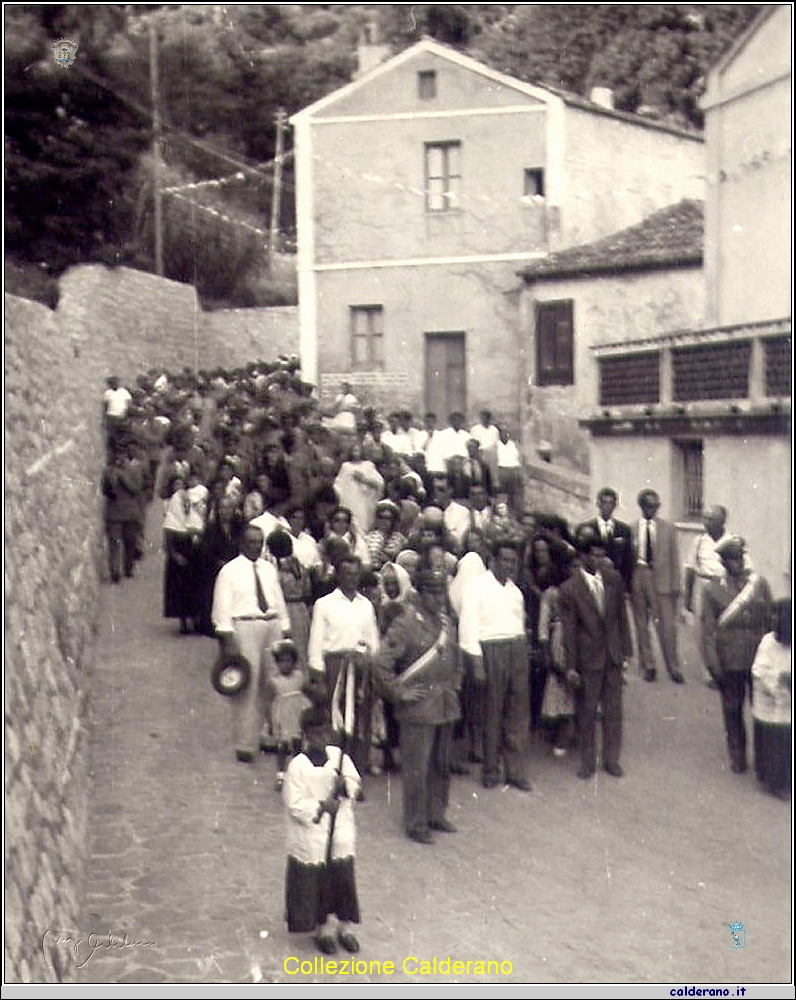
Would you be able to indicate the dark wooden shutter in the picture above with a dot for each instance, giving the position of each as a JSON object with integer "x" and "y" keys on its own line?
{"x": 554, "y": 343}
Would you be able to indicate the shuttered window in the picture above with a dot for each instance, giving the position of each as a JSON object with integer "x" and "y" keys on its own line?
{"x": 367, "y": 336}
{"x": 443, "y": 176}
{"x": 554, "y": 343}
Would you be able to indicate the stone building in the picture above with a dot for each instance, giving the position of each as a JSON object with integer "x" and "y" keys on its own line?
{"x": 422, "y": 187}
{"x": 703, "y": 414}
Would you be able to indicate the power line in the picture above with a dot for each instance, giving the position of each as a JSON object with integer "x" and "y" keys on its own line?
{"x": 173, "y": 130}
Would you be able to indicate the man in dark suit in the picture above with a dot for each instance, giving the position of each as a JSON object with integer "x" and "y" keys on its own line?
{"x": 596, "y": 648}
{"x": 614, "y": 535}
{"x": 656, "y": 585}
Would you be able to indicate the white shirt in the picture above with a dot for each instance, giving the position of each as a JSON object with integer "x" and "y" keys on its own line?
{"x": 772, "y": 694}
{"x": 595, "y": 584}
{"x": 339, "y": 624}
{"x": 454, "y": 442}
{"x": 607, "y": 528}
{"x": 508, "y": 455}
{"x": 456, "y": 518}
{"x": 643, "y": 526}
{"x": 704, "y": 559}
{"x": 398, "y": 442}
{"x": 235, "y": 593}
{"x": 420, "y": 440}
{"x": 117, "y": 401}
{"x": 435, "y": 452}
{"x": 487, "y": 437}
{"x": 267, "y": 523}
{"x": 470, "y": 566}
{"x": 490, "y": 611}
{"x": 306, "y": 550}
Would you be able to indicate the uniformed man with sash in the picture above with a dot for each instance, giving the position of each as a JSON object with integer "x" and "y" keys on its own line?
{"x": 418, "y": 670}
{"x": 735, "y": 617}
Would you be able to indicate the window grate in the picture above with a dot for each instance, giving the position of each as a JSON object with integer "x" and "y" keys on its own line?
{"x": 713, "y": 371}
{"x": 778, "y": 366}
{"x": 691, "y": 454}
{"x": 630, "y": 378}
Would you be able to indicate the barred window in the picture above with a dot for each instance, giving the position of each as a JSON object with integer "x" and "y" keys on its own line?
{"x": 778, "y": 366}
{"x": 712, "y": 371}
{"x": 630, "y": 378}
{"x": 691, "y": 455}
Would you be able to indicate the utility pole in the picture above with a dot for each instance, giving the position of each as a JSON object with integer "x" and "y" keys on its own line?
{"x": 156, "y": 180}
{"x": 276, "y": 194}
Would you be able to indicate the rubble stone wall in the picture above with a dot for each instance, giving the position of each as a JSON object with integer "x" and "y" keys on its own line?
{"x": 108, "y": 321}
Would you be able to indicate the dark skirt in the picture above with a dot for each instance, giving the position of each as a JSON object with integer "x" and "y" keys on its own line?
{"x": 312, "y": 892}
{"x": 772, "y": 755}
{"x": 180, "y": 586}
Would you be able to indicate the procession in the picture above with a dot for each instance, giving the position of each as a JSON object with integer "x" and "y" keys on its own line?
{"x": 398, "y": 496}
{"x": 433, "y": 634}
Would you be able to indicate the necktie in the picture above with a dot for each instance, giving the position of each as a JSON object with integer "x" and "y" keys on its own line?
{"x": 648, "y": 554}
{"x": 262, "y": 604}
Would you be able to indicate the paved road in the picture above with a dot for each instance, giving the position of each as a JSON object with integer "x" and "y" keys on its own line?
{"x": 623, "y": 881}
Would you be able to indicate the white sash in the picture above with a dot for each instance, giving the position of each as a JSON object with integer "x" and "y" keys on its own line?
{"x": 422, "y": 662}
{"x": 740, "y": 601}
{"x": 343, "y": 714}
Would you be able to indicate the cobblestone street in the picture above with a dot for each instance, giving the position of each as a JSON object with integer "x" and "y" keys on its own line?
{"x": 607, "y": 881}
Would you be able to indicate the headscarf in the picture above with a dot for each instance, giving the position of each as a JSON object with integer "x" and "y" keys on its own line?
{"x": 178, "y": 518}
{"x": 403, "y": 579}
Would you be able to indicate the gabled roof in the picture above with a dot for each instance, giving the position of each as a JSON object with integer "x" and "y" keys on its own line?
{"x": 425, "y": 45}
{"x": 670, "y": 237}
{"x": 539, "y": 92}
{"x": 742, "y": 40}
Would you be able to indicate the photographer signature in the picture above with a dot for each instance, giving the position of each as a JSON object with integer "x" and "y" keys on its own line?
{"x": 93, "y": 943}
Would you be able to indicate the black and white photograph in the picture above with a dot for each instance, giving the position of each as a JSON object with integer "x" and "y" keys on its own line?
{"x": 397, "y": 493}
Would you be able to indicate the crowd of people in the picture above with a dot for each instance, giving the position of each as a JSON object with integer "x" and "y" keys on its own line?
{"x": 384, "y": 584}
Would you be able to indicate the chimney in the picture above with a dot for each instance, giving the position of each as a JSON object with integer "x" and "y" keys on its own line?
{"x": 370, "y": 52}
{"x": 603, "y": 96}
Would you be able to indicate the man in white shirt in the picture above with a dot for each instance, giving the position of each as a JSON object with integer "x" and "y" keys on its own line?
{"x": 509, "y": 469}
{"x": 705, "y": 565}
{"x": 487, "y": 435}
{"x": 492, "y": 634}
{"x": 116, "y": 402}
{"x": 267, "y": 522}
{"x": 397, "y": 438}
{"x": 455, "y": 516}
{"x": 656, "y": 586}
{"x": 344, "y": 637}
{"x": 305, "y": 548}
{"x": 249, "y": 616}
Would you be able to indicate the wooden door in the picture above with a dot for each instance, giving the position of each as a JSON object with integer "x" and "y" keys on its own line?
{"x": 446, "y": 377}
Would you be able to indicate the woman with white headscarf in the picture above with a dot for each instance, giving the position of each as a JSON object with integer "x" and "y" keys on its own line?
{"x": 182, "y": 532}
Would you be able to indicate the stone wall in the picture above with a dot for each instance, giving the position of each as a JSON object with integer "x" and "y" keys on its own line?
{"x": 157, "y": 323}
{"x": 236, "y": 336}
{"x": 53, "y": 461}
{"x": 552, "y": 490}
{"x": 107, "y": 321}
